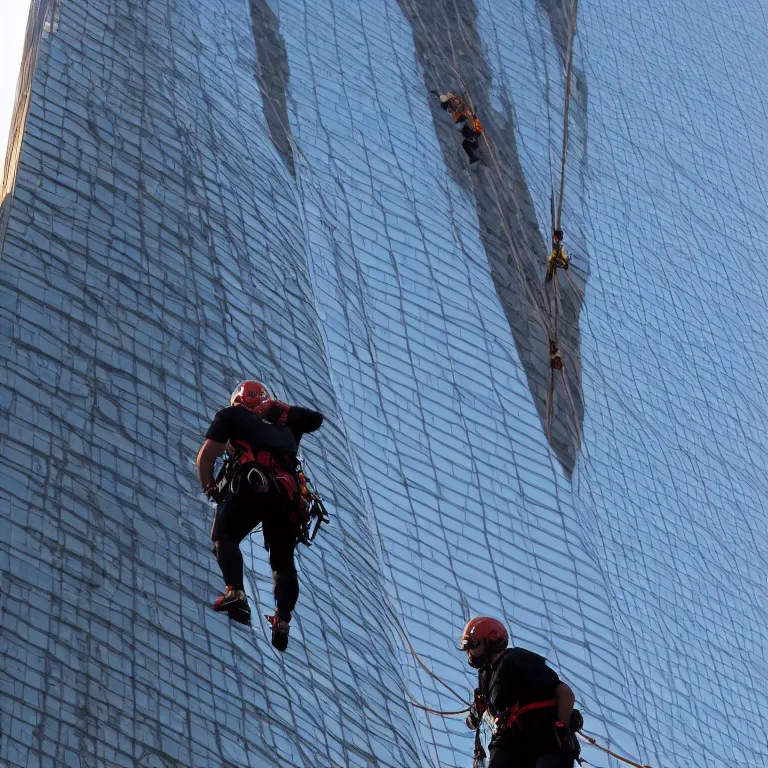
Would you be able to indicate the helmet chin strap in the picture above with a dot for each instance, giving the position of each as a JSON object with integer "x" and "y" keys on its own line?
{"x": 485, "y": 670}
{"x": 484, "y": 662}
{"x": 487, "y": 657}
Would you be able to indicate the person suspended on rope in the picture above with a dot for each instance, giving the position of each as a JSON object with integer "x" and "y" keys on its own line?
{"x": 555, "y": 358}
{"x": 260, "y": 482}
{"x": 472, "y": 128}
{"x": 454, "y": 106}
{"x": 529, "y": 709}
{"x": 557, "y": 256}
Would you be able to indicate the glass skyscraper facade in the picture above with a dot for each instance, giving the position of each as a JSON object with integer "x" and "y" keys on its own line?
{"x": 197, "y": 193}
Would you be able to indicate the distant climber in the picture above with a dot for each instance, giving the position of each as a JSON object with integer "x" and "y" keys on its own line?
{"x": 555, "y": 358}
{"x": 471, "y": 129}
{"x": 531, "y": 711}
{"x": 259, "y": 483}
{"x": 557, "y": 257}
{"x": 454, "y": 106}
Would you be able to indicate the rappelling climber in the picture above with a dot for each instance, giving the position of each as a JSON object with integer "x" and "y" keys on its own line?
{"x": 555, "y": 358}
{"x": 472, "y": 128}
{"x": 454, "y": 106}
{"x": 557, "y": 256}
{"x": 531, "y": 711}
{"x": 259, "y": 483}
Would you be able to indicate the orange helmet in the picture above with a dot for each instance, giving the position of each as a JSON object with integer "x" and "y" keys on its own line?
{"x": 250, "y": 394}
{"x": 487, "y": 632}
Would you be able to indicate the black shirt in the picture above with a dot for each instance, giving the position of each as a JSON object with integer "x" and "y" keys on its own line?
{"x": 521, "y": 676}
{"x": 237, "y": 424}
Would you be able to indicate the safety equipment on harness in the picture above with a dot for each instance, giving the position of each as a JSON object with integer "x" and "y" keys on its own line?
{"x": 250, "y": 394}
{"x": 285, "y": 475}
{"x": 312, "y": 511}
{"x": 213, "y": 493}
{"x": 576, "y": 721}
{"x": 566, "y": 738}
{"x": 263, "y": 470}
{"x": 476, "y": 711}
{"x": 257, "y": 480}
{"x": 475, "y": 125}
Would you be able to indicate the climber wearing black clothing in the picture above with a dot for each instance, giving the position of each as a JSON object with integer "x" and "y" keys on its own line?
{"x": 533, "y": 714}
{"x": 472, "y": 130}
{"x": 259, "y": 484}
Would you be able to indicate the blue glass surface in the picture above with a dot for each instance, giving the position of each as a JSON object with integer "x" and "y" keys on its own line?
{"x": 158, "y": 249}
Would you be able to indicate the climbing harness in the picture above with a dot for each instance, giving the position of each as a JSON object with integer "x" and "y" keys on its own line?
{"x": 307, "y": 514}
{"x": 510, "y": 716}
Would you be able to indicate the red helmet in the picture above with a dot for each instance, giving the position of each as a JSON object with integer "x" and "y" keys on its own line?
{"x": 250, "y": 394}
{"x": 484, "y": 631}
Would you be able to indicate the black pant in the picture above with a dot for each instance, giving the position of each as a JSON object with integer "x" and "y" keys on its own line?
{"x": 471, "y": 147}
{"x": 236, "y": 517}
{"x": 500, "y": 758}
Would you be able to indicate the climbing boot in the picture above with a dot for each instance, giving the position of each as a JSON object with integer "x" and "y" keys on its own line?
{"x": 280, "y": 631}
{"x": 234, "y": 603}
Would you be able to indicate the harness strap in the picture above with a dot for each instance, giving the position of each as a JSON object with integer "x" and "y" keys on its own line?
{"x": 508, "y": 718}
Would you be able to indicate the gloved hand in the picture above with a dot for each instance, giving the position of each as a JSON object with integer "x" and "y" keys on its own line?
{"x": 212, "y": 492}
{"x": 576, "y": 722}
{"x": 476, "y": 711}
{"x": 273, "y": 411}
{"x": 566, "y": 738}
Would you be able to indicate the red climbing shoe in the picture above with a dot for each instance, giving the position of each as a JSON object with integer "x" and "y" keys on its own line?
{"x": 280, "y": 631}
{"x": 234, "y": 602}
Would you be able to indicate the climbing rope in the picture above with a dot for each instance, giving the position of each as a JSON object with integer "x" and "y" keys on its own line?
{"x": 593, "y": 742}
{"x": 568, "y": 72}
{"x": 439, "y": 712}
{"x": 419, "y": 661}
{"x": 558, "y": 258}
{"x": 575, "y": 285}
